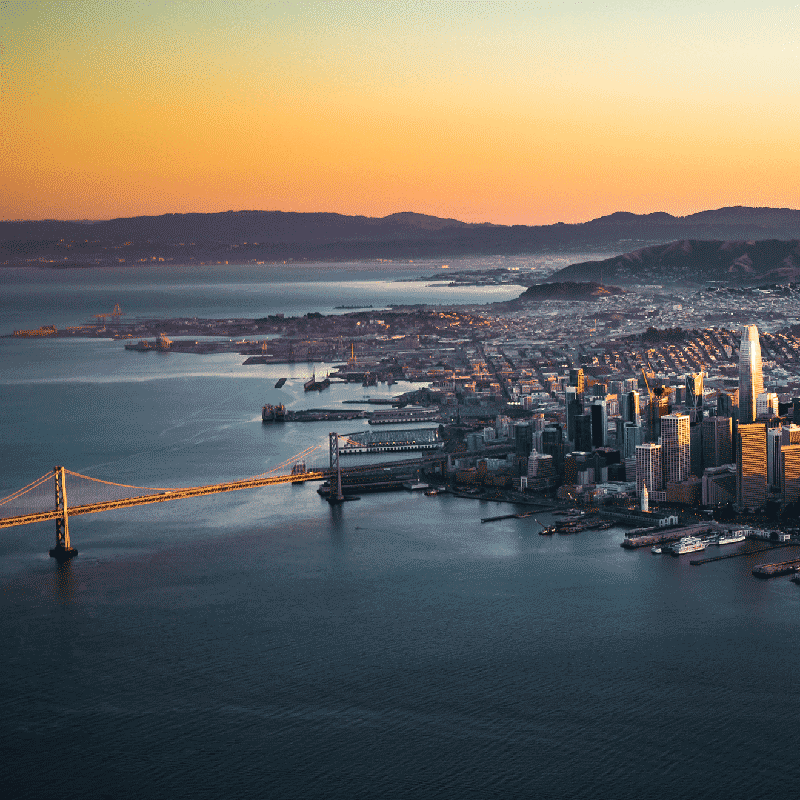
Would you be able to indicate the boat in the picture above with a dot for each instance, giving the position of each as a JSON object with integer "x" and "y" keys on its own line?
{"x": 549, "y": 531}
{"x": 273, "y": 413}
{"x": 688, "y": 544}
{"x": 431, "y": 492}
{"x": 656, "y": 550}
{"x": 731, "y": 537}
{"x": 279, "y": 383}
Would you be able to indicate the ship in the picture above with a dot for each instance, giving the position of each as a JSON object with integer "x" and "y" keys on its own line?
{"x": 273, "y": 413}
{"x": 688, "y": 544}
{"x": 313, "y": 385}
{"x": 279, "y": 383}
{"x": 731, "y": 537}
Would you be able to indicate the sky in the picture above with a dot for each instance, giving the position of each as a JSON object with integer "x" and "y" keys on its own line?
{"x": 505, "y": 112}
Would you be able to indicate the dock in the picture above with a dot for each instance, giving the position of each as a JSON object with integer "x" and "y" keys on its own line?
{"x": 697, "y": 561}
{"x": 779, "y": 568}
{"x": 668, "y": 535}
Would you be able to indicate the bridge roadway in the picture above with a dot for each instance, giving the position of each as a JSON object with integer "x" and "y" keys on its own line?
{"x": 199, "y": 491}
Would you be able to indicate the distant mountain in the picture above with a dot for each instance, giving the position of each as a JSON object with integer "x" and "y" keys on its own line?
{"x": 692, "y": 261}
{"x": 240, "y": 236}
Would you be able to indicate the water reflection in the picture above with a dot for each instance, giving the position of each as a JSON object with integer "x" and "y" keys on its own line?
{"x": 64, "y": 583}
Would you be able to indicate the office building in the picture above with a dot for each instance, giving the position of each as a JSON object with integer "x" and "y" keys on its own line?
{"x": 790, "y": 434}
{"x": 728, "y": 404}
{"x": 774, "y": 441}
{"x": 766, "y": 405}
{"x": 675, "y": 448}
{"x": 630, "y": 407}
{"x": 694, "y": 391}
{"x": 583, "y": 433}
{"x": 576, "y": 379}
{"x": 573, "y": 408}
{"x": 599, "y": 413}
{"x": 751, "y": 375}
{"x": 751, "y": 466}
{"x": 648, "y": 468}
{"x": 790, "y": 473}
{"x": 717, "y": 441}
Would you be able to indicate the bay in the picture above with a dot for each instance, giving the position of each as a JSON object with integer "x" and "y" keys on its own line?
{"x": 262, "y": 643}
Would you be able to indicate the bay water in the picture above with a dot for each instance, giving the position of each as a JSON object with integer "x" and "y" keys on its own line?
{"x": 264, "y": 644}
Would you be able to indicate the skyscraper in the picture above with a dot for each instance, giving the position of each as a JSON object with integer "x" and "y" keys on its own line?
{"x": 648, "y": 468}
{"x": 751, "y": 466}
{"x": 717, "y": 441}
{"x": 599, "y": 414}
{"x": 675, "y": 447}
{"x": 751, "y": 375}
{"x": 694, "y": 391}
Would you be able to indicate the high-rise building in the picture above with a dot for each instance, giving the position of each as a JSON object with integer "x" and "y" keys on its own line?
{"x": 599, "y": 414}
{"x": 583, "y": 433}
{"x": 766, "y": 405}
{"x": 751, "y": 466}
{"x": 648, "y": 468}
{"x": 629, "y": 435}
{"x": 790, "y": 473}
{"x": 553, "y": 445}
{"x": 694, "y": 391}
{"x": 573, "y": 407}
{"x": 790, "y": 434}
{"x": 751, "y": 375}
{"x": 774, "y": 441}
{"x": 577, "y": 380}
{"x": 675, "y": 448}
{"x": 717, "y": 441}
{"x": 630, "y": 407}
{"x": 728, "y": 404}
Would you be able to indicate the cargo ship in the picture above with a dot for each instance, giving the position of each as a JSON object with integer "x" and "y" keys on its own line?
{"x": 273, "y": 413}
{"x": 313, "y": 385}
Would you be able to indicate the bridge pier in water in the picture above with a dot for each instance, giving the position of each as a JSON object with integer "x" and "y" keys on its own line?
{"x": 63, "y": 550}
{"x": 336, "y": 470}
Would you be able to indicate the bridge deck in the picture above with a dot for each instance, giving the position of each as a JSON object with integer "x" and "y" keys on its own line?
{"x": 199, "y": 491}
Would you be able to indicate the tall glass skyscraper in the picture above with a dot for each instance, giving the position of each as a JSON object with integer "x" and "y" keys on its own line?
{"x": 751, "y": 374}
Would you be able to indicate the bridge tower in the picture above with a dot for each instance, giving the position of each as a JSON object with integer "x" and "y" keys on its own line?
{"x": 63, "y": 550}
{"x": 337, "y": 468}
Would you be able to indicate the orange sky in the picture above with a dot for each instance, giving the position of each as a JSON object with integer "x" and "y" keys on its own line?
{"x": 526, "y": 113}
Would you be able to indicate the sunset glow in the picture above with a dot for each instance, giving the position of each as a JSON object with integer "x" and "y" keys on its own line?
{"x": 514, "y": 113}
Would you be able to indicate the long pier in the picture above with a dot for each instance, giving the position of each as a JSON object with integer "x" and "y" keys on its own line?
{"x": 697, "y": 561}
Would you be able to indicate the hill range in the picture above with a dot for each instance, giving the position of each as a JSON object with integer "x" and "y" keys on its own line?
{"x": 247, "y": 236}
{"x": 691, "y": 261}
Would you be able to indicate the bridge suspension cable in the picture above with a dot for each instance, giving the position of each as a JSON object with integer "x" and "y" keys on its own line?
{"x": 25, "y": 489}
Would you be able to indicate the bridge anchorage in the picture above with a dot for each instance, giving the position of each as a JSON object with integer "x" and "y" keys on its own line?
{"x": 63, "y": 551}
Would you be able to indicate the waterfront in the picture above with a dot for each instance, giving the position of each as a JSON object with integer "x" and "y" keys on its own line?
{"x": 262, "y": 643}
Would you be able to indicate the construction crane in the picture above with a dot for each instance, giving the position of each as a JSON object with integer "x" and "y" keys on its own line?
{"x": 117, "y": 312}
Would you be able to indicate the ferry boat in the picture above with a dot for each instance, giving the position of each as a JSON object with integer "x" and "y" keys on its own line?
{"x": 689, "y": 544}
{"x": 731, "y": 537}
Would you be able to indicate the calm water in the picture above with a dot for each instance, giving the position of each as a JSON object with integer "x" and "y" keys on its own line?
{"x": 262, "y": 644}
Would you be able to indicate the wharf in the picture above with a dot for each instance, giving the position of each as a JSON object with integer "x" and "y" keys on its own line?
{"x": 323, "y": 414}
{"x": 697, "y": 561}
{"x": 669, "y": 535}
{"x": 779, "y": 568}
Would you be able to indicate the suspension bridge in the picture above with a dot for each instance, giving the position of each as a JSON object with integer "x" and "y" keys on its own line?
{"x": 46, "y": 498}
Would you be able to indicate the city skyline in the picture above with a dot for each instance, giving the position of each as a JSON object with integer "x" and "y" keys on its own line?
{"x": 510, "y": 113}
